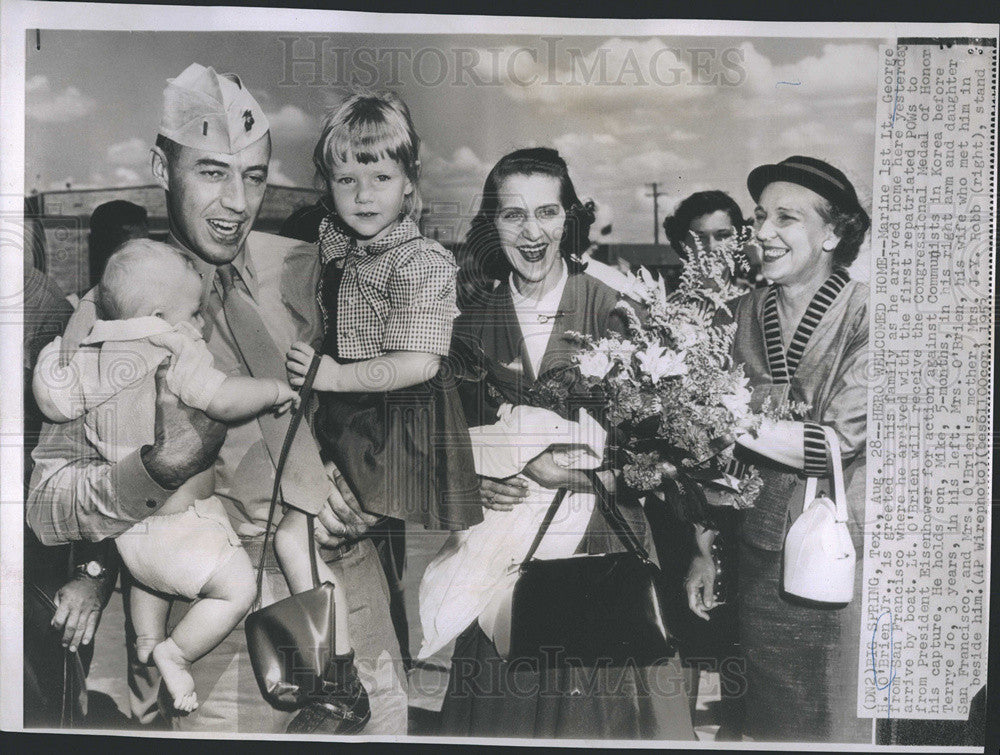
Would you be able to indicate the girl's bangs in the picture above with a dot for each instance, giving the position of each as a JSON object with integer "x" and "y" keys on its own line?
{"x": 369, "y": 142}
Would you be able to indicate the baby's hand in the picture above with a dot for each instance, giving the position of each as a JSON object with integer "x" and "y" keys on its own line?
{"x": 189, "y": 329}
{"x": 176, "y": 340}
{"x": 287, "y": 398}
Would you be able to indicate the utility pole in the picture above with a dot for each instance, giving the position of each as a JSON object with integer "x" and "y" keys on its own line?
{"x": 656, "y": 194}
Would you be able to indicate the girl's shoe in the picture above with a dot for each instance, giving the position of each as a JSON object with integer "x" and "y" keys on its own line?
{"x": 342, "y": 705}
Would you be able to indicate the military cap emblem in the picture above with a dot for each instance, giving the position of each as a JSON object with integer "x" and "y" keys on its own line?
{"x": 211, "y": 111}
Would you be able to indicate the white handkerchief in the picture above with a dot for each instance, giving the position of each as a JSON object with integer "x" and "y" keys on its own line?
{"x": 523, "y": 432}
{"x": 472, "y": 574}
{"x": 475, "y": 569}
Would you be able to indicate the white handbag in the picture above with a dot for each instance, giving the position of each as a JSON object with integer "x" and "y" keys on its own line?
{"x": 819, "y": 557}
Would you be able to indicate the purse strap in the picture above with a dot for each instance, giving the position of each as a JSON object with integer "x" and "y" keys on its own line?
{"x": 550, "y": 514}
{"x": 305, "y": 393}
{"x": 839, "y": 494}
{"x": 611, "y": 514}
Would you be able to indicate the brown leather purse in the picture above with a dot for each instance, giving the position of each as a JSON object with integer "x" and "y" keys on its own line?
{"x": 290, "y": 642}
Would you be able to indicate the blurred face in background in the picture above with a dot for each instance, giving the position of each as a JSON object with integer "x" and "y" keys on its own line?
{"x": 713, "y": 230}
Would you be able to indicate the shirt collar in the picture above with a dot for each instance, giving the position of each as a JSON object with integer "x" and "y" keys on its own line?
{"x": 550, "y": 300}
{"x": 336, "y": 243}
{"x": 243, "y": 263}
{"x": 129, "y": 329}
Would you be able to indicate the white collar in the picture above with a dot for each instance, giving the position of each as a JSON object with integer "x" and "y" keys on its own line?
{"x": 130, "y": 329}
{"x": 549, "y": 300}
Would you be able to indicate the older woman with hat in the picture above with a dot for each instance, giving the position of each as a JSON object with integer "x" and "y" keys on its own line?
{"x": 805, "y": 338}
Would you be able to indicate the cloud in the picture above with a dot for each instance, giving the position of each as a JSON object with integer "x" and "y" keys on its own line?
{"x": 615, "y": 172}
{"x": 841, "y": 68}
{"x": 120, "y": 176}
{"x": 863, "y": 126}
{"x": 462, "y": 168}
{"x": 36, "y": 84}
{"x": 47, "y": 106}
{"x": 836, "y": 83}
{"x": 132, "y": 151}
{"x": 679, "y": 135}
{"x": 277, "y": 177}
{"x": 656, "y": 162}
{"x": 578, "y": 144}
{"x": 812, "y": 137}
{"x": 617, "y": 70}
{"x": 128, "y": 177}
{"x": 620, "y": 161}
{"x": 451, "y": 187}
{"x": 293, "y": 124}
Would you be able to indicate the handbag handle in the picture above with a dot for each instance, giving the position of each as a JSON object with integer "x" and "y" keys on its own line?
{"x": 839, "y": 494}
{"x": 550, "y": 514}
{"x": 611, "y": 514}
{"x": 614, "y": 517}
{"x": 305, "y": 393}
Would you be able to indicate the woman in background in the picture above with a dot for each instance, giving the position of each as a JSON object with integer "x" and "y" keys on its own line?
{"x": 711, "y": 219}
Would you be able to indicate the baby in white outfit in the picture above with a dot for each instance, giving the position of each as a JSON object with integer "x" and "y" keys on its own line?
{"x": 149, "y": 298}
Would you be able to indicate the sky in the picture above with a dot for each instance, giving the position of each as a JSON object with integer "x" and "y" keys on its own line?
{"x": 687, "y": 113}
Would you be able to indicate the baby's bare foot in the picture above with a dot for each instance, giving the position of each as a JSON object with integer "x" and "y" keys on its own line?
{"x": 174, "y": 667}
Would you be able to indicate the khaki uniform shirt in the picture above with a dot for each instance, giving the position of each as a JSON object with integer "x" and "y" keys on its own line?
{"x": 75, "y": 494}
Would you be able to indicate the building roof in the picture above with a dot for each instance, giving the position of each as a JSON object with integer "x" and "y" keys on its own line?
{"x": 650, "y": 255}
{"x": 279, "y": 202}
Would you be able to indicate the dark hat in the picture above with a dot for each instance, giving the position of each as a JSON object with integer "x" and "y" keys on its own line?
{"x": 821, "y": 177}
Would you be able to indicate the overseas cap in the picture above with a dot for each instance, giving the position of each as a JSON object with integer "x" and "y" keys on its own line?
{"x": 211, "y": 111}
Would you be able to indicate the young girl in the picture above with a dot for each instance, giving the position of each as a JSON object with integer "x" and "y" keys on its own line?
{"x": 388, "y": 299}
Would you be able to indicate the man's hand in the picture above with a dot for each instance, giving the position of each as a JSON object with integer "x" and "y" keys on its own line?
{"x": 502, "y": 495}
{"x": 544, "y": 470}
{"x": 186, "y": 441}
{"x": 700, "y": 585}
{"x": 342, "y": 518}
{"x": 78, "y": 609}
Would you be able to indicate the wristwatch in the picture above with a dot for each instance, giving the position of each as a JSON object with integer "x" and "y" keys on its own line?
{"x": 92, "y": 569}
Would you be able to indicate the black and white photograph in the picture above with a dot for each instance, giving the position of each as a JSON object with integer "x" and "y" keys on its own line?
{"x": 413, "y": 378}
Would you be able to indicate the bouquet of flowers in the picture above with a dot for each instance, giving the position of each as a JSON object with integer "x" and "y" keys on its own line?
{"x": 673, "y": 400}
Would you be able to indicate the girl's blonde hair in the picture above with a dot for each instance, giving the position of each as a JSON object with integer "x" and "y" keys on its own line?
{"x": 368, "y": 126}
